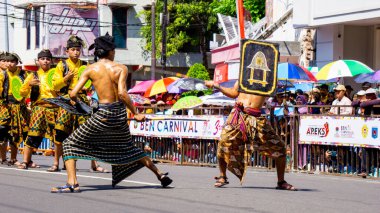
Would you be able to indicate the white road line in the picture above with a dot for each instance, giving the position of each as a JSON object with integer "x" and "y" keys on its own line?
{"x": 83, "y": 176}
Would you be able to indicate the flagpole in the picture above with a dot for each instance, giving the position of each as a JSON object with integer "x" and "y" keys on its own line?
{"x": 240, "y": 16}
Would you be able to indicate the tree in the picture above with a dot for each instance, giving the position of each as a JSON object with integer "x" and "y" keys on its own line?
{"x": 192, "y": 23}
{"x": 228, "y": 7}
{"x": 198, "y": 71}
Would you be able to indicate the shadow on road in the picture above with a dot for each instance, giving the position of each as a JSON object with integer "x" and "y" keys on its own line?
{"x": 109, "y": 187}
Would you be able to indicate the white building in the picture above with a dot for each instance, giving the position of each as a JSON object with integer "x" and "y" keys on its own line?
{"x": 40, "y": 24}
{"x": 6, "y": 25}
{"x": 346, "y": 29}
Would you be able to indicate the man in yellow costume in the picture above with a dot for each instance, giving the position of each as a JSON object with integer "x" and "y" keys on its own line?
{"x": 43, "y": 115}
{"x": 14, "y": 117}
{"x": 65, "y": 78}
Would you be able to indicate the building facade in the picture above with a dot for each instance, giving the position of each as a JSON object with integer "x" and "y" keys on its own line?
{"x": 47, "y": 24}
{"x": 346, "y": 29}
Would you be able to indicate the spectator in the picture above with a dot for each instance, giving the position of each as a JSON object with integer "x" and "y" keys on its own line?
{"x": 301, "y": 100}
{"x": 341, "y": 100}
{"x": 316, "y": 101}
{"x": 299, "y": 92}
{"x": 349, "y": 91}
{"x": 366, "y": 85}
{"x": 330, "y": 98}
{"x": 371, "y": 100}
{"x": 360, "y": 97}
{"x": 324, "y": 91}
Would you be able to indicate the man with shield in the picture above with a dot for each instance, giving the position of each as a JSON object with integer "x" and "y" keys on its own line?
{"x": 245, "y": 128}
{"x": 65, "y": 78}
{"x": 14, "y": 117}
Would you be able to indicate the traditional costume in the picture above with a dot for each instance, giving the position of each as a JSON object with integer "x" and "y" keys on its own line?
{"x": 66, "y": 122}
{"x": 246, "y": 130}
{"x": 14, "y": 116}
{"x": 105, "y": 136}
{"x": 43, "y": 114}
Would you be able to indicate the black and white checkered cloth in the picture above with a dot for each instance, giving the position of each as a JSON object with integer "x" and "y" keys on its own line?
{"x": 105, "y": 137}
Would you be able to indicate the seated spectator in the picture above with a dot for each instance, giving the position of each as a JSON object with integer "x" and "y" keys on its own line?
{"x": 341, "y": 100}
{"x": 371, "y": 100}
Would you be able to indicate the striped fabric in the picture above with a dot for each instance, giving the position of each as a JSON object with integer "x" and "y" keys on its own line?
{"x": 105, "y": 137}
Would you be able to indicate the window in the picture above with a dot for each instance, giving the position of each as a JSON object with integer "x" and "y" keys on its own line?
{"x": 37, "y": 24}
{"x": 119, "y": 26}
{"x": 28, "y": 14}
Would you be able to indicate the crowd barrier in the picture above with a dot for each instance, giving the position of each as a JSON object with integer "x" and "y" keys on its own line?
{"x": 312, "y": 157}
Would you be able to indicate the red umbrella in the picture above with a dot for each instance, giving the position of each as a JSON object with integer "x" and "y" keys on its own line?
{"x": 141, "y": 87}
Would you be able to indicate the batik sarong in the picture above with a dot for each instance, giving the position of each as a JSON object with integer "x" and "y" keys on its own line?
{"x": 42, "y": 121}
{"x": 16, "y": 117}
{"x": 68, "y": 122}
{"x": 105, "y": 137}
{"x": 245, "y": 131}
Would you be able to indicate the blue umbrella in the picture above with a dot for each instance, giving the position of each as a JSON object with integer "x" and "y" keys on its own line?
{"x": 365, "y": 77}
{"x": 288, "y": 71}
{"x": 229, "y": 83}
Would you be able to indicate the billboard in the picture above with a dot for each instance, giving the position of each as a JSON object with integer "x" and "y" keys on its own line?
{"x": 64, "y": 21}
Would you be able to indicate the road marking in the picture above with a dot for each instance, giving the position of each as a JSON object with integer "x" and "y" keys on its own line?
{"x": 83, "y": 176}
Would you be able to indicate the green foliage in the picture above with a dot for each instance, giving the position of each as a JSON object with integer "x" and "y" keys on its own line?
{"x": 228, "y": 7}
{"x": 199, "y": 71}
{"x": 191, "y": 22}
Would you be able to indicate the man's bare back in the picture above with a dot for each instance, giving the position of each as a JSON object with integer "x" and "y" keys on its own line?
{"x": 105, "y": 76}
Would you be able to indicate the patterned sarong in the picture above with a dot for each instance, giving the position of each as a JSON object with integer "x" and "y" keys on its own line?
{"x": 16, "y": 117}
{"x": 42, "y": 122}
{"x": 68, "y": 122}
{"x": 244, "y": 132}
{"x": 105, "y": 137}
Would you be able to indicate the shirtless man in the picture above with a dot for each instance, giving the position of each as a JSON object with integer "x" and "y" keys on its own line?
{"x": 105, "y": 136}
{"x": 244, "y": 131}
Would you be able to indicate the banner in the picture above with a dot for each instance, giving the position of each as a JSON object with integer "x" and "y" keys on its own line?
{"x": 64, "y": 21}
{"x": 258, "y": 67}
{"x": 200, "y": 127}
{"x": 340, "y": 130}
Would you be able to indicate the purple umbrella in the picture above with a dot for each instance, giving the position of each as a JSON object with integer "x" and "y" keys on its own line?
{"x": 376, "y": 77}
{"x": 365, "y": 77}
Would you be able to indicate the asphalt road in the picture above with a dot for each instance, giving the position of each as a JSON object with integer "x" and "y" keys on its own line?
{"x": 193, "y": 191}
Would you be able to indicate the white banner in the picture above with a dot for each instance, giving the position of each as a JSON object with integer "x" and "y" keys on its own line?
{"x": 201, "y": 127}
{"x": 340, "y": 130}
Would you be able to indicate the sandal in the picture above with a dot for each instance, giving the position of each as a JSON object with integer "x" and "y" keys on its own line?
{"x": 23, "y": 165}
{"x": 283, "y": 185}
{"x": 66, "y": 189}
{"x": 165, "y": 180}
{"x": 33, "y": 165}
{"x": 219, "y": 183}
{"x": 99, "y": 169}
{"x": 54, "y": 168}
{"x": 13, "y": 163}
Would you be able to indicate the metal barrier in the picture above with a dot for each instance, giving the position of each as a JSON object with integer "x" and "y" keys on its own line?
{"x": 312, "y": 158}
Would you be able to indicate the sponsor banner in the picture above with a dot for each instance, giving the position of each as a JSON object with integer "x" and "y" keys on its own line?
{"x": 64, "y": 21}
{"x": 200, "y": 127}
{"x": 340, "y": 130}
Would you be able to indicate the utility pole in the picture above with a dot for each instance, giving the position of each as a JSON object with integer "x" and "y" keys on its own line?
{"x": 164, "y": 25}
{"x": 6, "y": 38}
{"x": 153, "y": 31}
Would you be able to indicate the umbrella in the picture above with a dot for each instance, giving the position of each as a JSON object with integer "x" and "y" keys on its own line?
{"x": 368, "y": 77}
{"x": 309, "y": 74}
{"x": 342, "y": 68}
{"x": 142, "y": 86}
{"x": 228, "y": 84}
{"x": 159, "y": 86}
{"x": 220, "y": 101}
{"x": 288, "y": 71}
{"x": 80, "y": 108}
{"x": 284, "y": 83}
{"x": 138, "y": 98}
{"x": 187, "y": 102}
{"x": 187, "y": 84}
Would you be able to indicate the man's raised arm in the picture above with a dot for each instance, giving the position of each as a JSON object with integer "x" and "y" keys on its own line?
{"x": 229, "y": 92}
{"x": 82, "y": 81}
